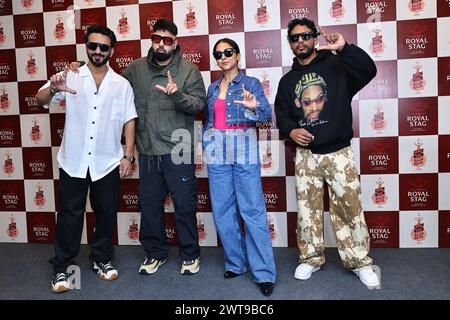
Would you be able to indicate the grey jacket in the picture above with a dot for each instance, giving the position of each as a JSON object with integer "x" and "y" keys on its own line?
{"x": 160, "y": 114}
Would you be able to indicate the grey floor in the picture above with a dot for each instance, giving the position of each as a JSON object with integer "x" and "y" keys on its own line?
{"x": 405, "y": 274}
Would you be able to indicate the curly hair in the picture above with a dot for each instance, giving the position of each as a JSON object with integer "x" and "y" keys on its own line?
{"x": 302, "y": 22}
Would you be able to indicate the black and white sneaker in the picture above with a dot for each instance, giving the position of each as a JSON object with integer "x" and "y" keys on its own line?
{"x": 105, "y": 270}
{"x": 190, "y": 267}
{"x": 60, "y": 283}
{"x": 150, "y": 265}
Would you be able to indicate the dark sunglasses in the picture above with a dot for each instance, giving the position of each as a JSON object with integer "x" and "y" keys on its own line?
{"x": 318, "y": 100}
{"x": 228, "y": 52}
{"x": 304, "y": 35}
{"x": 94, "y": 45}
{"x": 168, "y": 41}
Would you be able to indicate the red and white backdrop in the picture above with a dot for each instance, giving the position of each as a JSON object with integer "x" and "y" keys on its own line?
{"x": 401, "y": 119}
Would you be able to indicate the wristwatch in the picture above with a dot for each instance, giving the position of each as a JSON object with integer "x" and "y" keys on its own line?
{"x": 52, "y": 92}
{"x": 132, "y": 159}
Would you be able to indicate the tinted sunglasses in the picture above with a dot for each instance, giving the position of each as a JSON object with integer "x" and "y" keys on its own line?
{"x": 228, "y": 52}
{"x": 168, "y": 41}
{"x": 318, "y": 100}
{"x": 94, "y": 45}
{"x": 304, "y": 35}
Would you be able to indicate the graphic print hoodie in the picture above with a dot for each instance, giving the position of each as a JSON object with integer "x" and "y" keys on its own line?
{"x": 317, "y": 96}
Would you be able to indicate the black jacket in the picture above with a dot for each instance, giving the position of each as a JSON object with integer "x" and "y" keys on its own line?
{"x": 344, "y": 74}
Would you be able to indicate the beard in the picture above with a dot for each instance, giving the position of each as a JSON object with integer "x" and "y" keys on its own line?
{"x": 162, "y": 55}
{"x": 304, "y": 55}
{"x": 101, "y": 62}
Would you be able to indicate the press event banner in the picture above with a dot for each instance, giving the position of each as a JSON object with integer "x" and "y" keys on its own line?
{"x": 401, "y": 118}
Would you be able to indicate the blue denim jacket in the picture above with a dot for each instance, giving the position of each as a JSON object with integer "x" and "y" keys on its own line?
{"x": 237, "y": 114}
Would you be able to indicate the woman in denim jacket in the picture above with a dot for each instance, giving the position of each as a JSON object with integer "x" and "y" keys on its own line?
{"x": 234, "y": 104}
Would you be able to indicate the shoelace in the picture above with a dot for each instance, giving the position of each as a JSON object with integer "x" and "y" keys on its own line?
{"x": 106, "y": 266}
{"x": 60, "y": 277}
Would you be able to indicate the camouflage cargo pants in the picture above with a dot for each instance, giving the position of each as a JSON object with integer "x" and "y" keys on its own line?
{"x": 338, "y": 170}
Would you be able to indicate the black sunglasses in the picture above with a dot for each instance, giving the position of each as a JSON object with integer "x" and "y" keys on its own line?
{"x": 304, "y": 35}
{"x": 318, "y": 100}
{"x": 228, "y": 52}
{"x": 94, "y": 45}
{"x": 168, "y": 41}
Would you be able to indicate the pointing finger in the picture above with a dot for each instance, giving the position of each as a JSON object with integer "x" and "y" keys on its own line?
{"x": 322, "y": 32}
{"x": 169, "y": 77}
{"x": 243, "y": 89}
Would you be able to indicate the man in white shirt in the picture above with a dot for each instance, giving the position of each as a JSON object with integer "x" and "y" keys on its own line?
{"x": 99, "y": 107}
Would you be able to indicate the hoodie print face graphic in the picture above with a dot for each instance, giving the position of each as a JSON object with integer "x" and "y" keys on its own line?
{"x": 311, "y": 96}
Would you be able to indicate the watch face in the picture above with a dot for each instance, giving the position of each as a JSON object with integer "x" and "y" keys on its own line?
{"x": 132, "y": 159}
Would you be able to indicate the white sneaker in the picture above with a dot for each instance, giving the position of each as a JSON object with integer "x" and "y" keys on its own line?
{"x": 190, "y": 267}
{"x": 368, "y": 276}
{"x": 304, "y": 271}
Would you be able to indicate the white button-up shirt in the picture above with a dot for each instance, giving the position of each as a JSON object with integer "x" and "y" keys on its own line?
{"x": 94, "y": 123}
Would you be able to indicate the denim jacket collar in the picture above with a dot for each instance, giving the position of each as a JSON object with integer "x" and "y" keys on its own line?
{"x": 236, "y": 79}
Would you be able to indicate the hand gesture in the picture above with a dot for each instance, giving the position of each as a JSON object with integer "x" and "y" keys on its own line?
{"x": 171, "y": 86}
{"x": 301, "y": 136}
{"x": 335, "y": 41}
{"x": 58, "y": 82}
{"x": 249, "y": 100}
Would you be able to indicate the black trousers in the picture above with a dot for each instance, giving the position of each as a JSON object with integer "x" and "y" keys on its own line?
{"x": 104, "y": 196}
{"x": 158, "y": 175}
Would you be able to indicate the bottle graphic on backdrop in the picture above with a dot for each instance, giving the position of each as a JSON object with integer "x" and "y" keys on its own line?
{"x": 8, "y": 167}
{"x": 190, "y": 21}
{"x": 12, "y": 230}
{"x": 4, "y": 100}
{"x": 39, "y": 198}
{"x": 133, "y": 230}
{"x": 59, "y": 33}
{"x": 262, "y": 17}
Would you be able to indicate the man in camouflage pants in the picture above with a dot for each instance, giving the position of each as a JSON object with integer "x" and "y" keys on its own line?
{"x": 313, "y": 108}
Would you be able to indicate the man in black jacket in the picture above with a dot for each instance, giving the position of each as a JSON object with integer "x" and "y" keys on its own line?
{"x": 313, "y": 108}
